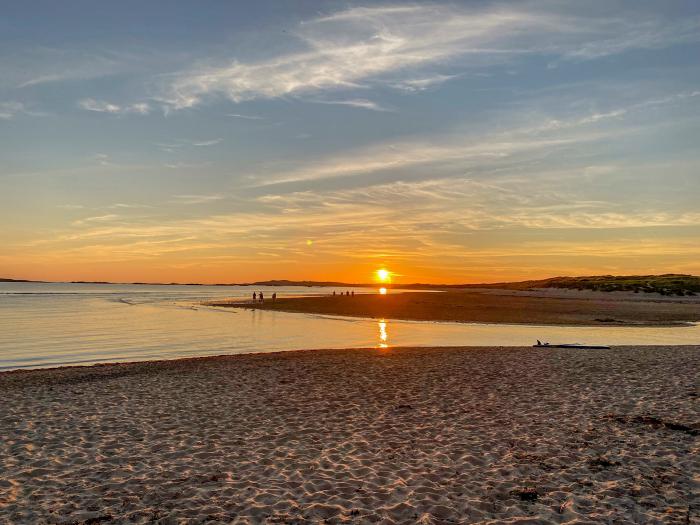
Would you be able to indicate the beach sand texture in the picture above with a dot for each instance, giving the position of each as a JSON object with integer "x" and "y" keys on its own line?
{"x": 426, "y": 435}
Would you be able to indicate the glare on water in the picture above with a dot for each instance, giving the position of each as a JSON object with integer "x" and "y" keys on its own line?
{"x": 61, "y": 324}
{"x": 383, "y": 340}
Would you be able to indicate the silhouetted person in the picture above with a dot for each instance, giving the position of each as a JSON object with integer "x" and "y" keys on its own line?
{"x": 274, "y": 297}
{"x": 262, "y": 299}
{"x": 254, "y": 297}
{"x": 352, "y": 293}
{"x": 333, "y": 292}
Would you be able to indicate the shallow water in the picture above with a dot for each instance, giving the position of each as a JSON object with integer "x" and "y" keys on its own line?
{"x": 62, "y": 324}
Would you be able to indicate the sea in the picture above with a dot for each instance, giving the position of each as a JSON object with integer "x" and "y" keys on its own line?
{"x": 60, "y": 324}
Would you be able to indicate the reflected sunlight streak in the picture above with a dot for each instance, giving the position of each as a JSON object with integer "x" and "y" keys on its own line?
{"x": 382, "y": 334}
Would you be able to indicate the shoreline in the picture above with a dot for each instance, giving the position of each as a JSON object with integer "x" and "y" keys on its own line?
{"x": 397, "y": 435}
{"x": 156, "y": 362}
{"x": 489, "y": 307}
{"x": 109, "y": 366}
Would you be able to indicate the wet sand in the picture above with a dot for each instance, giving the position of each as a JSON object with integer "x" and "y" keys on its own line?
{"x": 488, "y": 307}
{"x": 412, "y": 435}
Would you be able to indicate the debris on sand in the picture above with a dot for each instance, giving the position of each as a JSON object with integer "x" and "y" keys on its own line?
{"x": 527, "y": 494}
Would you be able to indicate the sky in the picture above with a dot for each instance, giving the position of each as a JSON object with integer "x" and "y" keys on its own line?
{"x": 449, "y": 142}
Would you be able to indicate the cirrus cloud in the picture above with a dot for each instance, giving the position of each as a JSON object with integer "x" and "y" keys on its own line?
{"x": 363, "y": 45}
{"x": 101, "y": 106}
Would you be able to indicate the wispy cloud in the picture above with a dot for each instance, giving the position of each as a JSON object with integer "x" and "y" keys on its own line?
{"x": 179, "y": 144}
{"x": 123, "y": 205}
{"x": 636, "y": 33}
{"x": 244, "y": 117}
{"x": 205, "y": 143}
{"x": 448, "y": 216}
{"x": 547, "y": 136}
{"x": 11, "y": 109}
{"x": 196, "y": 199}
{"x": 97, "y": 219}
{"x": 42, "y": 79}
{"x": 423, "y": 83}
{"x": 362, "y": 45}
{"x": 39, "y": 65}
{"x": 447, "y": 149}
{"x": 101, "y": 106}
{"x": 440, "y": 206}
{"x": 187, "y": 165}
{"x": 362, "y": 103}
{"x": 102, "y": 159}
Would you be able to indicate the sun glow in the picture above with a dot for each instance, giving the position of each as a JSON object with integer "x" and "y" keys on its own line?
{"x": 382, "y": 291}
{"x": 383, "y": 275}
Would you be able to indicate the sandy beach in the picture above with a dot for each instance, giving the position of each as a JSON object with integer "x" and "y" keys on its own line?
{"x": 410, "y": 435}
{"x": 497, "y": 306}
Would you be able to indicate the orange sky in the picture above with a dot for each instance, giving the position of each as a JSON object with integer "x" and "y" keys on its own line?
{"x": 315, "y": 263}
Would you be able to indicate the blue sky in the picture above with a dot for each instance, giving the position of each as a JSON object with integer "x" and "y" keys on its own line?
{"x": 458, "y": 141}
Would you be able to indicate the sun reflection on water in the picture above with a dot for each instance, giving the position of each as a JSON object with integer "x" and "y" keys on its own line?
{"x": 382, "y": 291}
{"x": 382, "y": 334}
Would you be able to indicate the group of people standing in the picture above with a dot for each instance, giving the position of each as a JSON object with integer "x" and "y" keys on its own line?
{"x": 259, "y": 297}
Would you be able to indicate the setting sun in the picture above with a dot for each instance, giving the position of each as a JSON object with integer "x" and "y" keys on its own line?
{"x": 383, "y": 275}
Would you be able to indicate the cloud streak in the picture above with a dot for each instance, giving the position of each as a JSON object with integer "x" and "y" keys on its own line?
{"x": 196, "y": 199}
{"x": 205, "y": 143}
{"x": 244, "y": 117}
{"x": 90, "y": 104}
{"x": 9, "y": 110}
{"x": 360, "y": 45}
{"x": 101, "y": 106}
{"x": 362, "y": 103}
{"x": 546, "y": 137}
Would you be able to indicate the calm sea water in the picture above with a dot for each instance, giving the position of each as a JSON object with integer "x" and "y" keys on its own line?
{"x": 65, "y": 324}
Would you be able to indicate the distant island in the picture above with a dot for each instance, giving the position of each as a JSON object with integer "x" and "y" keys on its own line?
{"x": 665, "y": 284}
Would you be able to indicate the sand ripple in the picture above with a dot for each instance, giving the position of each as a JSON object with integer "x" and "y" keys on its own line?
{"x": 358, "y": 436}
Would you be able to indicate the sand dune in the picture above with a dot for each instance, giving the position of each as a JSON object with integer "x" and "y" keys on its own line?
{"x": 442, "y": 435}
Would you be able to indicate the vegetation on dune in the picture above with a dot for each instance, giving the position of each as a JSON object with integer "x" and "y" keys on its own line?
{"x": 667, "y": 284}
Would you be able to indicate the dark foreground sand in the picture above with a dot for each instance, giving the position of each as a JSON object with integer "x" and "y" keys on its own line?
{"x": 487, "y": 307}
{"x": 431, "y": 435}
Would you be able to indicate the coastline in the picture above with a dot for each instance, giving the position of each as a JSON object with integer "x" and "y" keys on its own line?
{"x": 421, "y": 435}
{"x": 505, "y": 307}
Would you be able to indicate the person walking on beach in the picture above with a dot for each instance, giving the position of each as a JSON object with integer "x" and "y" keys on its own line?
{"x": 254, "y": 297}
{"x": 262, "y": 299}
{"x": 274, "y": 296}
